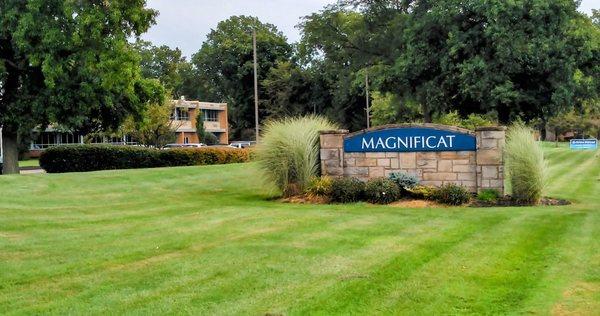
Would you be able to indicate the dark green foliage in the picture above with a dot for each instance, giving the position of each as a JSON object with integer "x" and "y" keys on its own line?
{"x": 382, "y": 191}
{"x": 224, "y": 64}
{"x": 210, "y": 139}
{"x": 451, "y": 194}
{"x": 404, "y": 181}
{"x": 80, "y": 158}
{"x": 488, "y": 195}
{"x": 70, "y": 63}
{"x": 347, "y": 190}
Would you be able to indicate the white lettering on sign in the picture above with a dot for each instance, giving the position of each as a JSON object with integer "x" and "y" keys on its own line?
{"x": 410, "y": 142}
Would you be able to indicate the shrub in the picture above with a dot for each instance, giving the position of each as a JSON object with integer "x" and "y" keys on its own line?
{"x": 451, "y": 194}
{"x": 319, "y": 186}
{"x": 210, "y": 139}
{"x": 288, "y": 153}
{"x": 80, "y": 158}
{"x": 422, "y": 192}
{"x": 404, "y": 180}
{"x": 525, "y": 164}
{"x": 347, "y": 190}
{"x": 488, "y": 195}
{"x": 382, "y": 191}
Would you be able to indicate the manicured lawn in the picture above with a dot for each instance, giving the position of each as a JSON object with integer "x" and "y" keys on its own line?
{"x": 205, "y": 240}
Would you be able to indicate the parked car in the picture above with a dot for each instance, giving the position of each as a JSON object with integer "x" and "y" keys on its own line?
{"x": 194, "y": 145}
{"x": 242, "y": 144}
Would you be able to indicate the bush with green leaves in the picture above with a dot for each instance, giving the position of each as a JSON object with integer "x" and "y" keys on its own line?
{"x": 288, "y": 152}
{"x": 525, "y": 164}
{"x": 382, "y": 191}
{"x": 210, "y": 139}
{"x": 347, "y": 190}
{"x": 81, "y": 158}
{"x": 319, "y": 186}
{"x": 451, "y": 194}
{"x": 488, "y": 195}
{"x": 422, "y": 192}
{"x": 404, "y": 181}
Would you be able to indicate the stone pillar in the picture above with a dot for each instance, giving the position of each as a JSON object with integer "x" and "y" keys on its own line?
{"x": 332, "y": 152}
{"x": 490, "y": 158}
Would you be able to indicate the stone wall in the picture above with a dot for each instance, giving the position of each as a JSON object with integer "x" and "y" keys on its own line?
{"x": 474, "y": 170}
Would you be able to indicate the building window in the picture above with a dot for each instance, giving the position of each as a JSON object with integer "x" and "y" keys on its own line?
{"x": 186, "y": 140}
{"x": 182, "y": 114}
{"x": 210, "y": 115}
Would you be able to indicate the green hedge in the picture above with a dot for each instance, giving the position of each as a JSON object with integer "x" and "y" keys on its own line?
{"x": 80, "y": 158}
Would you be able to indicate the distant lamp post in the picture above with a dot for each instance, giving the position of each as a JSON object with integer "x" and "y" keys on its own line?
{"x": 255, "y": 84}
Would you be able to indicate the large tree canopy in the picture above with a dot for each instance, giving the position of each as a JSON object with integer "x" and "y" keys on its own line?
{"x": 69, "y": 62}
{"x": 527, "y": 59}
{"x": 225, "y": 69}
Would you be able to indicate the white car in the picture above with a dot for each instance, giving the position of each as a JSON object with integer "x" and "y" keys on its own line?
{"x": 242, "y": 144}
{"x": 194, "y": 145}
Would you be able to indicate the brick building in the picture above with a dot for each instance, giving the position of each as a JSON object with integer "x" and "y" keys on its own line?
{"x": 215, "y": 120}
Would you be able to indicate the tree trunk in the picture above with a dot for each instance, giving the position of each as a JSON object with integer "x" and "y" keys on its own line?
{"x": 426, "y": 113}
{"x": 10, "y": 152}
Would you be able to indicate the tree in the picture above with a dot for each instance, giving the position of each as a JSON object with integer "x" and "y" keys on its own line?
{"x": 200, "y": 131}
{"x": 224, "y": 63}
{"x": 387, "y": 108}
{"x": 155, "y": 128}
{"x": 68, "y": 62}
{"x": 521, "y": 59}
{"x": 165, "y": 64}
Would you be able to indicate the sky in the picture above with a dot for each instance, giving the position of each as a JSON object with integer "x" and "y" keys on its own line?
{"x": 185, "y": 23}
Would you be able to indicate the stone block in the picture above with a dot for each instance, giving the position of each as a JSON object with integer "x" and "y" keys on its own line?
{"x": 374, "y": 155}
{"x": 469, "y": 184}
{"x": 332, "y": 163}
{"x": 383, "y": 162}
{"x": 394, "y": 163}
{"x": 376, "y": 172}
{"x": 427, "y": 164}
{"x": 466, "y": 176}
{"x": 391, "y": 155}
{"x": 366, "y": 162}
{"x": 333, "y": 171}
{"x": 463, "y": 168}
{"x": 439, "y": 176}
{"x": 356, "y": 171}
{"x": 489, "y": 172}
{"x": 349, "y": 162}
{"x": 444, "y": 165}
{"x": 461, "y": 162}
{"x": 489, "y": 143}
{"x": 497, "y": 183}
{"x": 408, "y": 160}
{"x": 492, "y": 134}
{"x": 332, "y": 141}
{"x": 427, "y": 155}
{"x": 330, "y": 154}
{"x": 432, "y": 183}
{"x": 489, "y": 157}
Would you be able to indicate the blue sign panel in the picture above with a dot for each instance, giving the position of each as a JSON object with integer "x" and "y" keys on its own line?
{"x": 409, "y": 139}
{"x": 584, "y": 144}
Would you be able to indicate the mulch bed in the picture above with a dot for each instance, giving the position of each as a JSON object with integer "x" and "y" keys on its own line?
{"x": 506, "y": 201}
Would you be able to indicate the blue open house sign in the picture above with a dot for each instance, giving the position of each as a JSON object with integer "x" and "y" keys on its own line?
{"x": 584, "y": 144}
{"x": 409, "y": 139}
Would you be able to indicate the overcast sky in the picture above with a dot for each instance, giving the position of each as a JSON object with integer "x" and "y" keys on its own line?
{"x": 185, "y": 23}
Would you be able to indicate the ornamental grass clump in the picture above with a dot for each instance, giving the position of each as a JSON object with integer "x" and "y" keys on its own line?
{"x": 525, "y": 165}
{"x": 288, "y": 153}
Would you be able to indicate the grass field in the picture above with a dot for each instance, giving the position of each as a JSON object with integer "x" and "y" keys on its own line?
{"x": 205, "y": 240}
